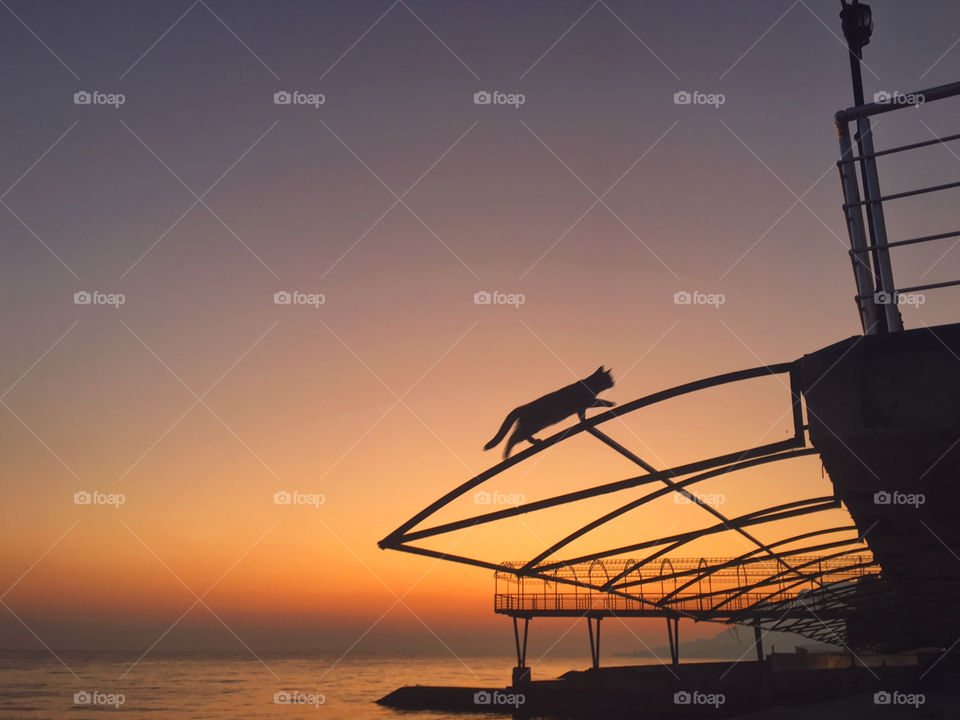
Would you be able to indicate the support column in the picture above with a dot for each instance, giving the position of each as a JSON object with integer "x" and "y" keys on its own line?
{"x": 758, "y": 641}
{"x": 673, "y": 635}
{"x": 594, "y": 643}
{"x": 521, "y": 673}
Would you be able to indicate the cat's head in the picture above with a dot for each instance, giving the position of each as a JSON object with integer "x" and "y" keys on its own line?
{"x": 602, "y": 379}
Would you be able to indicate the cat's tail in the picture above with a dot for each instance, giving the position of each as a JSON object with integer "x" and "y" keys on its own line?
{"x": 502, "y": 432}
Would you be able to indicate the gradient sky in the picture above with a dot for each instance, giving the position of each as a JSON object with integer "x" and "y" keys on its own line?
{"x": 398, "y": 199}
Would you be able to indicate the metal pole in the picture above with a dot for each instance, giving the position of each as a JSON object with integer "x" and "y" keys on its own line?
{"x": 881, "y": 255}
{"x": 856, "y": 38}
{"x": 516, "y": 641}
{"x": 673, "y": 651}
{"x": 596, "y": 661}
{"x": 858, "y": 243}
{"x": 676, "y": 641}
{"x": 526, "y": 629}
{"x": 594, "y": 647}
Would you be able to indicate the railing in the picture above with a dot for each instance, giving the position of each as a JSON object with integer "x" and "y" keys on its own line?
{"x": 877, "y": 294}
{"x": 693, "y": 605}
{"x": 697, "y": 587}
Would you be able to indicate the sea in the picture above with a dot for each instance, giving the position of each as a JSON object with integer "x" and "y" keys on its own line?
{"x": 35, "y": 684}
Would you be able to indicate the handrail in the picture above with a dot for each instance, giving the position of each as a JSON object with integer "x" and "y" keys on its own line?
{"x": 877, "y": 294}
{"x": 940, "y": 92}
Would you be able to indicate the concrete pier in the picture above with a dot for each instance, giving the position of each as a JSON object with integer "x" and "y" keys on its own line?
{"x": 884, "y": 413}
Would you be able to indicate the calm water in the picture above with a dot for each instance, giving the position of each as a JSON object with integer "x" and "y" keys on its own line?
{"x": 35, "y": 685}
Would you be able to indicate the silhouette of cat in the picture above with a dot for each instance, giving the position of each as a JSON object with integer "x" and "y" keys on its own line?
{"x": 552, "y": 408}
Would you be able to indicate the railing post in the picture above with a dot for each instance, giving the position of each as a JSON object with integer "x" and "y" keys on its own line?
{"x": 862, "y": 272}
{"x": 879, "y": 238}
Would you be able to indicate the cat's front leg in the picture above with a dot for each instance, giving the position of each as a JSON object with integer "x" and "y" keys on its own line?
{"x": 603, "y": 403}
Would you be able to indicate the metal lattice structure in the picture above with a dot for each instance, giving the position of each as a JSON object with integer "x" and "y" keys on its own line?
{"x": 818, "y": 583}
{"x": 801, "y": 582}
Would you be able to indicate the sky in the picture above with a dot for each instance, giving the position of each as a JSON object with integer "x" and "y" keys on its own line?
{"x": 383, "y": 198}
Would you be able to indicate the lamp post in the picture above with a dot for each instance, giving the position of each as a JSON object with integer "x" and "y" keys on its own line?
{"x": 857, "y": 24}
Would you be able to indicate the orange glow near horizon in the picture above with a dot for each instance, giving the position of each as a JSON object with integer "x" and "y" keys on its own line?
{"x": 200, "y": 397}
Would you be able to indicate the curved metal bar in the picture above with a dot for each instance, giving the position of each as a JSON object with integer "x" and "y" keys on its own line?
{"x": 729, "y": 595}
{"x": 673, "y": 486}
{"x": 835, "y": 594}
{"x": 663, "y": 563}
{"x": 606, "y": 574}
{"x": 396, "y": 542}
{"x": 777, "y": 578}
{"x": 747, "y": 560}
{"x": 751, "y": 557}
{"x": 779, "y": 512}
{"x": 613, "y": 514}
{"x": 772, "y": 578}
{"x": 753, "y": 518}
{"x": 392, "y": 539}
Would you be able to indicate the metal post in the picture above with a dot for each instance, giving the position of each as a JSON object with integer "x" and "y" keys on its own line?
{"x": 673, "y": 635}
{"x": 596, "y": 662}
{"x": 857, "y": 25}
{"x": 594, "y": 644}
{"x": 526, "y": 628}
{"x": 521, "y": 673}
{"x": 758, "y": 641}
{"x": 858, "y": 243}
{"x": 871, "y": 191}
{"x": 521, "y": 647}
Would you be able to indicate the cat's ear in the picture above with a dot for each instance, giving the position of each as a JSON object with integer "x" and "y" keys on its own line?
{"x": 600, "y": 370}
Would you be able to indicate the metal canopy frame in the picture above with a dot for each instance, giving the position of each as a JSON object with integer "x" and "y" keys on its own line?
{"x": 784, "y": 583}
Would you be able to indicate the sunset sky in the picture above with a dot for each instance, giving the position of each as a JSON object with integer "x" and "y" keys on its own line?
{"x": 397, "y": 199}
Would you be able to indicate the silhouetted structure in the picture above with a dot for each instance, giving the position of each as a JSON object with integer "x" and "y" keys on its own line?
{"x": 881, "y": 410}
